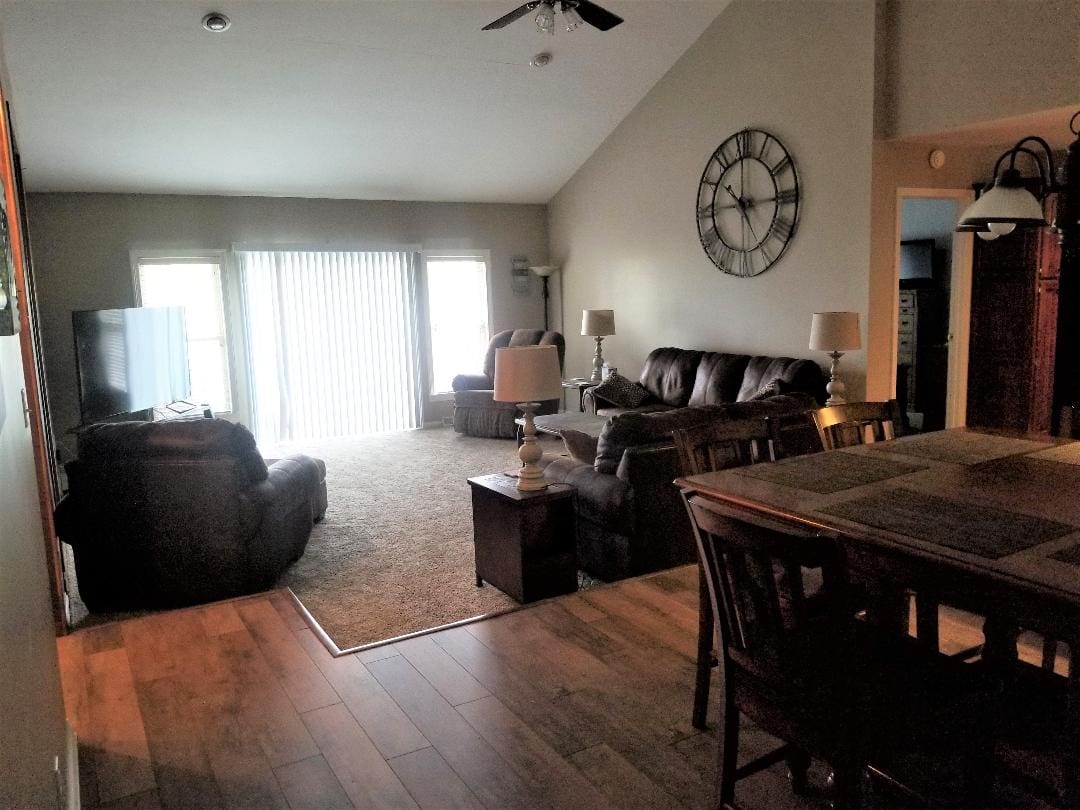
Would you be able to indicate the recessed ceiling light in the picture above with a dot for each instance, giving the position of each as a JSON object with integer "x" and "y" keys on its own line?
{"x": 541, "y": 60}
{"x": 216, "y": 22}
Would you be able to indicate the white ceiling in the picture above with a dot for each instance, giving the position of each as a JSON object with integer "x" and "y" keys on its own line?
{"x": 366, "y": 99}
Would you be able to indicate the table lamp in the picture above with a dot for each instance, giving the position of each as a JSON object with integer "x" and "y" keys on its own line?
{"x": 597, "y": 323}
{"x": 835, "y": 333}
{"x": 527, "y": 375}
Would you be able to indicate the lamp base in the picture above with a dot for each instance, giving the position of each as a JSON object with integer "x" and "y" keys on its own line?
{"x": 530, "y": 476}
{"x": 835, "y": 387}
{"x": 597, "y": 363}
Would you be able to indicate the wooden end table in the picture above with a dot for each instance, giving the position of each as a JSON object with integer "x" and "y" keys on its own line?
{"x": 524, "y": 541}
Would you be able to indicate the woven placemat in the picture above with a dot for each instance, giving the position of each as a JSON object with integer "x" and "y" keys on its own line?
{"x": 982, "y": 530}
{"x": 960, "y": 447}
{"x": 829, "y": 472}
{"x": 1063, "y": 454}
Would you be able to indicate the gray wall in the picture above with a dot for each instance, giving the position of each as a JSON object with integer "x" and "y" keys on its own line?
{"x": 82, "y": 245}
{"x": 624, "y": 227}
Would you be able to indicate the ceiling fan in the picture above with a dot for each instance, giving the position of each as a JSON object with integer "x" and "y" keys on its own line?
{"x": 574, "y": 13}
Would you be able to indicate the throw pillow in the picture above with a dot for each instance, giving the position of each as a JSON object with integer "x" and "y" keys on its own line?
{"x": 580, "y": 446}
{"x": 773, "y": 388}
{"x": 620, "y": 391}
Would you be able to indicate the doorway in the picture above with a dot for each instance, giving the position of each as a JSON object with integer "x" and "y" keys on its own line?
{"x": 933, "y": 289}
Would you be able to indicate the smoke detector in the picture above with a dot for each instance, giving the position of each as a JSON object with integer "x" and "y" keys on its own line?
{"x": 541, "y": 60}
{"x": 215, "y": 22}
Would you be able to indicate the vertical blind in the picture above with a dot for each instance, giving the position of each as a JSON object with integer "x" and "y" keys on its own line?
{"x": 333, "y": 346}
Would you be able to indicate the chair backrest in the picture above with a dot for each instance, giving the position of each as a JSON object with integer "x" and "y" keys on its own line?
{"x": 792, "y": 434}
{"x": 721, "y": 444}
{"x": 510, "y": 338}
{"x": 754, "y": 572}
{"x": 857, "y": 423}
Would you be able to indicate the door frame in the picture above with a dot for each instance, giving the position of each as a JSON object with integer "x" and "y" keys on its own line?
{"x": 956, "y": 380}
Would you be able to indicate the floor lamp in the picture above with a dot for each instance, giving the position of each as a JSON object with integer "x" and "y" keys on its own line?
{"x": 544, "y": 271}
{"x": 528, "y": 375}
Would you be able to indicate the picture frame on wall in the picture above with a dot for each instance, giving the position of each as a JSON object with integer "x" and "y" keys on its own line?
{"x": 9, "y": 302}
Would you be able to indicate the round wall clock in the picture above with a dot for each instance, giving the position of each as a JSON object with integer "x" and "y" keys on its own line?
{"x": 748, "y": 203}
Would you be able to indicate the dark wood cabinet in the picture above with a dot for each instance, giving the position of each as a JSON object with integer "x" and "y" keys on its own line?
{"x": 1014, "y": 310}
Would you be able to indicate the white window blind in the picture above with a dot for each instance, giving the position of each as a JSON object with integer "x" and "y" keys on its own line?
{"x": 332, "y": 342}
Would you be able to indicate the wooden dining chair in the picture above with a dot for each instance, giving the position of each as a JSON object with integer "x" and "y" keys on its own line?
{"x": 706, "y": 448}
{"x": 792, "y": 434}
{"x": 857, "y": 423}
{"x": 814, "y": 676}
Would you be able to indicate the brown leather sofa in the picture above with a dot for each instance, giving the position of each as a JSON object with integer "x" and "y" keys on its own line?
{"x": 476, "y": 413}
{"x": 630, "y": 518}
{"x": 182, "y": 512}
{"x": 675, "y": 378}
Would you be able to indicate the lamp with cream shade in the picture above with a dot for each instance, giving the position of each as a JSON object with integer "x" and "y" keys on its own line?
{"x": 598, "y": 323}
{"x": 835, "y": 333}
{"x": 527, "y": 375}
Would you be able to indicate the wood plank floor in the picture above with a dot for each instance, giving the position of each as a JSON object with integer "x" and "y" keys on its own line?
{"x": 581, "y": 701}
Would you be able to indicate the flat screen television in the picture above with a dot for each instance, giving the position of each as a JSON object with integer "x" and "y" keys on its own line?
{"x": 917, "y": 259}
{"x": 129, "y": 359}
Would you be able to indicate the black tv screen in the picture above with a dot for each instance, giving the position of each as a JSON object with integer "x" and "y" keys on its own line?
{"x": 129, "y": 359}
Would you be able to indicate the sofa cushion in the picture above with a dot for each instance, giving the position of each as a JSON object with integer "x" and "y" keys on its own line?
{"x": 631, "y": 429}
{"x": 669, "y": 374}
{"x": 580, "y": 446}
{"x": 652, "y": 407}
{"x": 620, "y": 391}
{"x": 800, "y": 375}
{"x": 719, "y": 377}
{"x": 511, "y": 338}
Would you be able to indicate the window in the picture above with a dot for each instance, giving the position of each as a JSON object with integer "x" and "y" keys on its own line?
{"x": 457, "y": 293}
{"x": 195, "y": 284}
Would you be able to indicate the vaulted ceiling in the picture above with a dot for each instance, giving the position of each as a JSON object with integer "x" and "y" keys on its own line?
{"x": 367, "y": 99}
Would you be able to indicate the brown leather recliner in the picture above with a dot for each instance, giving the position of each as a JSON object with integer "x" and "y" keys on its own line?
{"x": 182, "y": 512}
{"x": 476, "y": 413}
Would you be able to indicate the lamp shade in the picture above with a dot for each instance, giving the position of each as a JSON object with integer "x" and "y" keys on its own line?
{"x": 598, "y": 322}
{"x": 835, "y": 332}
{"x": 527, "y": 374}
{"x": 1007, "y": 202}
{"x": 544, "y": 270}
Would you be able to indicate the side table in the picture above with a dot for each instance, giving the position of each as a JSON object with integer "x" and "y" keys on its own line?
{"x": 582, "y": 385}
{"x": 524, "y": 541}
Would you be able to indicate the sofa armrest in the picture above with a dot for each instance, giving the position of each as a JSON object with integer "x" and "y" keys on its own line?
{"x": 472, "y": 382}
{"x": 663, "y": 537}
{"x": 602, "y": 498}
{"x": 591, "y": 402}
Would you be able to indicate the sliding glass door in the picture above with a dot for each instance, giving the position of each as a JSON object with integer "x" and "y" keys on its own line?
{"x": 332, "y": 342}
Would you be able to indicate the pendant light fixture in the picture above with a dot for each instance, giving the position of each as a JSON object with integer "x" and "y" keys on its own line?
{"x": 1007, "y": 203}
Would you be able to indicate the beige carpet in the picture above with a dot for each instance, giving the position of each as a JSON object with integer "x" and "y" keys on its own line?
{"x": 394, "y": 554}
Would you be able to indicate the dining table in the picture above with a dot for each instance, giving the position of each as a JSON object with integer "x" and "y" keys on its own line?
{"x": 983, "y": 521}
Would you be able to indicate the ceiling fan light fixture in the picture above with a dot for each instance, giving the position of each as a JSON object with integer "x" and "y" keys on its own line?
{"x": 571, "y": 19}
{"x": 545, "y": 18}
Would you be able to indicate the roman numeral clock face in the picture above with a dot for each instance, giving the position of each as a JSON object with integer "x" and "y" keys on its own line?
{"x": 748, "y": 203}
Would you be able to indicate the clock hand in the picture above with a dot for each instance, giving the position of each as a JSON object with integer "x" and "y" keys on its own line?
{"x": 742, "y": 210}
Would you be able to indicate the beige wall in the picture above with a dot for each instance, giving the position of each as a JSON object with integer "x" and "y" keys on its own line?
{"x": 31, "y": 705}
{"x": 953, "y": 62}
{"x": 31, "y": 709}
{"x": 624, "y": 227}
{"x": 82, "y": 246}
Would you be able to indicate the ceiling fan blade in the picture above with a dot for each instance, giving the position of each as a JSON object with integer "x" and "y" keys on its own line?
{"x": 517, "y": 13}
{"x": 598, "y": 17}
